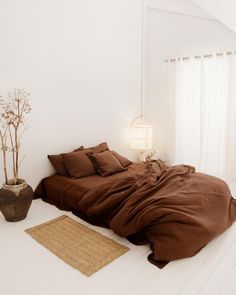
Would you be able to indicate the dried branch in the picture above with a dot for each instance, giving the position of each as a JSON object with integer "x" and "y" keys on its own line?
{"x": 13, "y": 154}
{"x": 22, "y": 159}
{"x": 22, "y": 132}
{"x": 3, "y": 141}
{"x": 12, "y": 119}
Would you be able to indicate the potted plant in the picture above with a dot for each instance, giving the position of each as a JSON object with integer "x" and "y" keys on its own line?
{"x": 15, "y": 195}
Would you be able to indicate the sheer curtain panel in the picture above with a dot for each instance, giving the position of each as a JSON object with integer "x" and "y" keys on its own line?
{"x": 204, "y": 95}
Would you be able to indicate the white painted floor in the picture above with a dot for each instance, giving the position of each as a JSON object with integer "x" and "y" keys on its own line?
{"x": 27, "y": 268}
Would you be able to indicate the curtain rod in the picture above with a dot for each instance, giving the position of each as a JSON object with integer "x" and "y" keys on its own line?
{"x": 200, "y": 56}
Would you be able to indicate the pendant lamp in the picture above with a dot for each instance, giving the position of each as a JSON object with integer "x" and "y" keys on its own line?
{"x": 141, "y": 127}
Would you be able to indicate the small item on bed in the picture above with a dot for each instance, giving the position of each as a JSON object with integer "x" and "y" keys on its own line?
{"x": 124, "y": 161}
{"x": 106, "y": 163}
{"x": 78, "y": 164}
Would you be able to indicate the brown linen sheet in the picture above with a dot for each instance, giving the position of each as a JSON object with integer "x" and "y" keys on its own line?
{"x": 175, "y": 209}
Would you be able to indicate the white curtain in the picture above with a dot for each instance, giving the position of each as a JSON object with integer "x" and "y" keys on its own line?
{"x": 204, "y": 92}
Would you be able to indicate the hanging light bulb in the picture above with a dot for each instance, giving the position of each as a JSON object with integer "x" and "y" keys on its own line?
{"x": 141, "y": 127}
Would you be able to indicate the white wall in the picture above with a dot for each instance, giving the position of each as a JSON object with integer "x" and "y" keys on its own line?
{"x": 169, "y": 35}
{"x": 80, "y": 61}
{"x": 224, "y": 10}
{"x": 184, "y": 7}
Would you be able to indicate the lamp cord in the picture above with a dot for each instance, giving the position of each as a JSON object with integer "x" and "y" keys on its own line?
{"x": 142, "y": 58}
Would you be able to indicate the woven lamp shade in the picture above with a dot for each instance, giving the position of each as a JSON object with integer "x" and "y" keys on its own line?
{"x": 141, "y": 134}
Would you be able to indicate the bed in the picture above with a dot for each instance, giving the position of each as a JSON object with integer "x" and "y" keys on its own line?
{"x": 173, "y": 209}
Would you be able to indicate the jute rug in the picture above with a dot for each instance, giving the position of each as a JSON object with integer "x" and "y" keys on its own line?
{"x": 76, "y": 244}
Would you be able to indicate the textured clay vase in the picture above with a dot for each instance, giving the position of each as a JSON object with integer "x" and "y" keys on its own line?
{"x": 15, "y": 200}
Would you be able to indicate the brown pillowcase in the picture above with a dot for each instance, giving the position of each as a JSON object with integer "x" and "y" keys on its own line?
{"x": 124, "y": 161}
{"x": 98, "y": 148}
{"x": 58, "y": 164}
{"x": 81, "y": 148}
{"x": 78, "y": 164}
{"x": 106, "y": 163}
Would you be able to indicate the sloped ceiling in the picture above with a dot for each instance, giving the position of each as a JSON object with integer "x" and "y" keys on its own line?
{"x": 188, "y": 7}
{"x": 223, "y": 10}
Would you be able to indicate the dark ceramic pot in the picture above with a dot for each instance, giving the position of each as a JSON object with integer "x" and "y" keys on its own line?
{"x": 15, "y": 200}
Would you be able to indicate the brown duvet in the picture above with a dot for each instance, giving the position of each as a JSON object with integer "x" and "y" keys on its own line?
{"x": 175, "y": 209}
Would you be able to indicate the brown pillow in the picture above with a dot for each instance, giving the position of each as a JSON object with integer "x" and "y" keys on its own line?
{"x": 58, "y": 163}
{"x": 98, "y": 148}
{"x": 124, "y": 161}
{"x": 81, "y": 148}
{"x": 106, "y": 163}
{"x": 78, "y": 164}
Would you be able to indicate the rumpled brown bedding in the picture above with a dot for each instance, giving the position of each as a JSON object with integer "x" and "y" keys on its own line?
{"x": 175, "y": 209}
